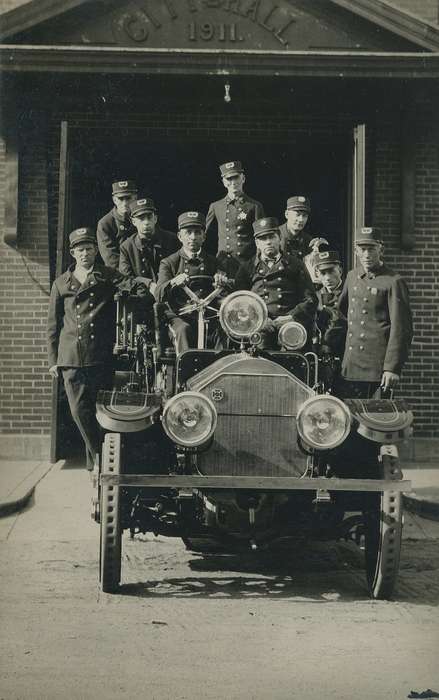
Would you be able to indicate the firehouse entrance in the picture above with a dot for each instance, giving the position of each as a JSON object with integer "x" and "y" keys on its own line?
{"x": 178, "y": 168}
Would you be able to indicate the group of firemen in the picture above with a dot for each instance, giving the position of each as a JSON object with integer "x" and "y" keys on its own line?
{"x": 365, "y": 319}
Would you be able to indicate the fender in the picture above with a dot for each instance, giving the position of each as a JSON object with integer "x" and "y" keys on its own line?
{"x": 381, "y": 420}
{"x": 127, "y": 411}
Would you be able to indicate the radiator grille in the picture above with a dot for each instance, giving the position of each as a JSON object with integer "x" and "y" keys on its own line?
{"x": 247, "y": 394}
{"x": 256, "y": 434}
{"x": 253, "y": 446}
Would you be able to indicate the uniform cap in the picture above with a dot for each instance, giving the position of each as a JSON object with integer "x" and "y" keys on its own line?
{"x": 232, "y": 168}
{"x": 141, "y": 206}
{"x": 82, "y": 235}
{"x": 191, "y": 218}
{"x": 123, "y": 187}
{"x": 326, "y": 258}
{"x": 368, "y": 235}
{"x": 265, "y": 225}
{"x": 299, "y": 203}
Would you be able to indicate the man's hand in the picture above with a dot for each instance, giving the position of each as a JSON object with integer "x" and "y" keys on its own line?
{"x": 53, "y": 371}
{"x": 152, "y": 287}
{"x": 144, "y": 280}
{"x": 180, "y": 280}
{"x": 220, "y": 279}
{"x": 281, "y": 320}
{"x": 389, "y": 380}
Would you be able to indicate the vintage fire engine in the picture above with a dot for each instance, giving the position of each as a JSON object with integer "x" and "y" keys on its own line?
{"x": 240, "y": 447}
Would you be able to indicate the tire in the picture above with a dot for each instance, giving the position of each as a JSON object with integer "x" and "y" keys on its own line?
{"x": 110, "y": 517}
{"x": 383, "y": 531}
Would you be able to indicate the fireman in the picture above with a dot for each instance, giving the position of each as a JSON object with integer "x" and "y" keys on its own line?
{"x": 280, "y": 279}
{"x": 116, "y": 225}
{"x": 234, "y": 215}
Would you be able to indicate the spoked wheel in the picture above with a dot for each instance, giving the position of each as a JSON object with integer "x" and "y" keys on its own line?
{"x": 110, "y": 516}
{"x": 383, "y": 530}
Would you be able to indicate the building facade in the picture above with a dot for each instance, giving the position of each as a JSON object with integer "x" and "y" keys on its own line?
{"x": 334, "y": 99}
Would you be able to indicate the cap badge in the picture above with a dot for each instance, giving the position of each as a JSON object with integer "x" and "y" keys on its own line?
{"x": 192, "y": 214}
{"x": 141, "y": 201}
{"x": 230, "y": 165}
{"x": 81, "y": 230}
{"x": 366, "y": 230}
{"x": 123, "y": 184}
{"x": 324, "y": 255}
{"x": 301, "y": 199}
{"x": 263, "y": 222}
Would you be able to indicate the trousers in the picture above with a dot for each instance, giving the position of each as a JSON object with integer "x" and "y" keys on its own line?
{"x": 82, "y": 385}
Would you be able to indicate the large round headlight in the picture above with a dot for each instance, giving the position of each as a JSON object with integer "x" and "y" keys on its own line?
{"x": 242, "y": 314}
{"x": 323, "y": 422}
{"x": 292, "y": 335}
{"x": 189, "y": 418}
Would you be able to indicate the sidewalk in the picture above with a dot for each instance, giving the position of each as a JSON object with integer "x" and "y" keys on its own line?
{"x": 19, "y": 479}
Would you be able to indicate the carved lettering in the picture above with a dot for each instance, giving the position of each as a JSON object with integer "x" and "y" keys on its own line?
{"x": 252, "y": 10}
{"x": 264, "y": 22}
{"x": 169, "y": 6}
{"x": 152, "y": 14}
{"x": 136, "y": 28}
{"x": 232, "y": 6}
{"x": 154, "y": 21}
{"x": 207, "y": 31}
{"x": 278, "y": 33}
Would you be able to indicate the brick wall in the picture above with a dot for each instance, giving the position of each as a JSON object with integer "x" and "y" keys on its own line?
{"x": 24, "y": 285}
{"x": 418, "y": 266}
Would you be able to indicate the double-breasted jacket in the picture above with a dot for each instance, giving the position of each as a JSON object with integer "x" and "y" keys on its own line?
{"x": 298, "y": 245}
{"x": 377, "y": 307}
{"x": 80, "y": 325}
{"x": 285, "y": 287}
{"x": 234, "y": 221}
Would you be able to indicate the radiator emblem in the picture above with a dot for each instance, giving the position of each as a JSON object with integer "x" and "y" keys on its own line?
{"x": 217, "y": 394}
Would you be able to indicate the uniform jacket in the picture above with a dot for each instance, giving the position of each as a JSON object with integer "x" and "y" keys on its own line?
{"x": 285, "y": 287}
{"x": 139, "y": 260}
{"x": 377, "y": 307}
{"x": 112, "y": 229}
{"x": 234, "y": 223}
{"x": 295, "y": 244}
{"x": 330, "y": 322}
{"x": 80, "y": 324}
{"x": 177, "y": 263}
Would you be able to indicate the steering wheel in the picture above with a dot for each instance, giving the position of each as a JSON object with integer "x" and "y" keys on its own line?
{"x": 194, "y": 302}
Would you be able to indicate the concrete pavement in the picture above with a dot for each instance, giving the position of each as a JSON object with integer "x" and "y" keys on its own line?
{"x": 18, "y": 480}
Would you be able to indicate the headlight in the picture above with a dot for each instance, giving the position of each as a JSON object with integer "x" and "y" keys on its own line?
{"x": 189, "y": 418}
{"x": 323, "y": 422}
{"x": 292, "y": 336}
{"x": 242, "y": 314}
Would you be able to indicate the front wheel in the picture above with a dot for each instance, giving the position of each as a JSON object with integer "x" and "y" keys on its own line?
{"x": 110, "y": 516}
{"x": 383, "y": 531}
